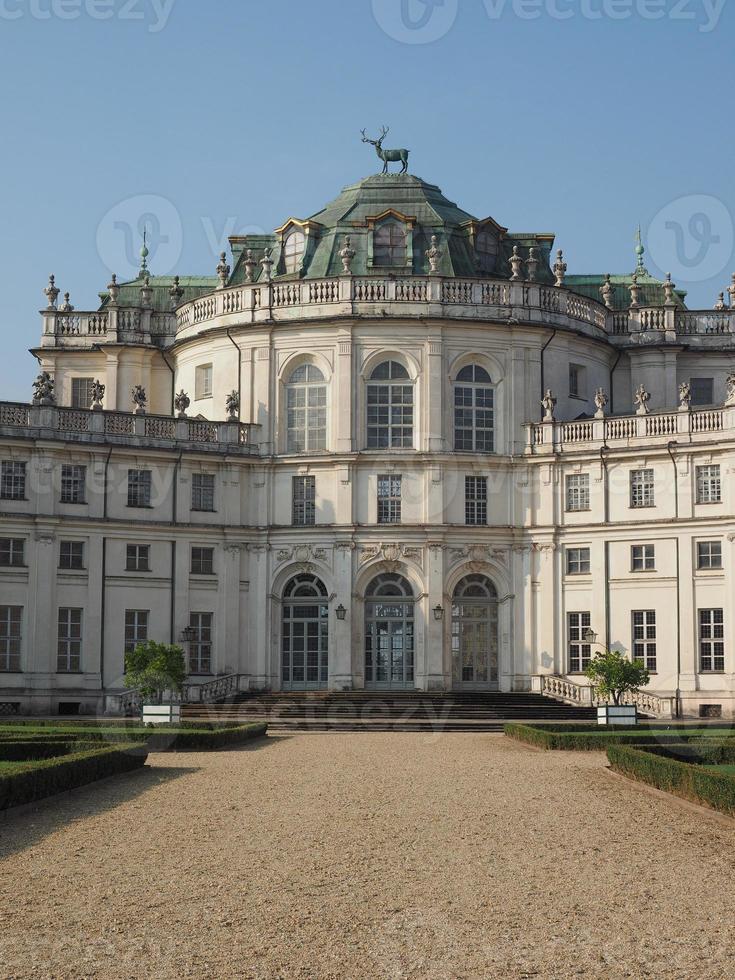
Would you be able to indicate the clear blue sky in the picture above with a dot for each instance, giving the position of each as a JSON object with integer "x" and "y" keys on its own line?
{"x": 242, "y": 113}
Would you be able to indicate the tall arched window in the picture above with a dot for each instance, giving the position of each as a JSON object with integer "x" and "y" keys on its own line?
{"x": 304, "y": 634}
{"x": 389, "y": 244}
{"x": 389, "y": 407}
{"x": 474, "y": 411}
{"x": 306, "y": 410}
{"x": 389, "y": 632}
{"x": 293, "y": 251}
{"x": 475, "y": 633}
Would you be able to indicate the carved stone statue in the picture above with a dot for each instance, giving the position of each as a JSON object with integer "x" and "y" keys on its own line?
{"x": 146, "y": 294}
{"x": 600, "y": 403}
{"x": 388, "y": 156}
{"x": 98, "y": 393}
{"x": 181, "y": 403}
{"x": 113, "y": 290}
{"x": 176, "y": 293}
{"x": 608, "y": 292}
{"x": 434, "y": 255}
{"x": 232, "y": 406}
{"x": 267, "y": 264}
{"x": 641, "y": 400}
{"x": 560, "y": 268}
{"x": 634, "y": 292}
{"x": 669, "y": 287}
{"x": 516, "y": 261}
{"x": 730, "y": 390}
{"x": 685, "y": 396}
{"x": 51, "y": 292}
{"x": 531, "y": 264}
{"x": 250, "y": 264}
{"x": 548, "y": 403}
{"x": 223, "y": 270}
{"x": 139, "y": 399}
{"x": 43, "y": 390}
{"x": 347, "y": 254}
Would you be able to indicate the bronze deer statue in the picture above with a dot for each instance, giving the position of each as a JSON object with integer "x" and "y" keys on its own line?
{"x": 387, "y": 156}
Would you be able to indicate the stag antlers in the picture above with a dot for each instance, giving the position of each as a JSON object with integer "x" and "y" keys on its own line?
{"x": 384, "y": 130}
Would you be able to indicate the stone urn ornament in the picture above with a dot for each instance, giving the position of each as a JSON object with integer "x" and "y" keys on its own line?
{"x": 223, "y": 270}
{"x": 560, "y": 268}
{"x": 434, "y": 255}
{"x": 176, "y": 293}
{"x": 608, "y": 291}
{"x": 634, "y": 291}
{"x": 347, "y": 254}
{"x": 146, "y": 294}
{"x": 181, "y": 403}
{"x": 139, "y": 399}
{"x": 251, "y": 264}
{"x": 52, "y": 293}
{"x": 43, "y": 390}
{"x": 113, "y": 290}
{"x": 516, "y": 262}
{"x": 669, "y": 287}
{"x": 720, "y": 304}
{"x": 641, "y": 400}
{"x": 267, "y": 264}
{"x": 531, "y": 264}
{"x": 66, "y": 306}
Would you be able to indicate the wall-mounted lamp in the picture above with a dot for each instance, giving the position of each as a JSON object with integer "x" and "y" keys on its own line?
{"x": 438, "y": 612}
{"x": 188, "y": 634}
{"x": 589, "y": 635}
{"x": 340, "y": 611}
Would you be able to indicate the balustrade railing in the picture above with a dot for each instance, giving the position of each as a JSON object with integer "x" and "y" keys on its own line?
{"x": 218, "y": 689}
{"x": 573, "y": 692}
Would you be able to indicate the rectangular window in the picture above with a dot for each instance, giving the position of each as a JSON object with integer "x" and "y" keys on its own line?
{"x": 202, "y": 491}
{"x": 202, "y": 561}
{"x": 578, "y": 492}
{"x": 303, "y": 507}
{"x": 577, "y": 381}
{"x": 578, "y": 561}
{"x": 644, "y": 637}
{"x": 139, "y": 488}
{"x": 137, "y": 558}
{"x": 474, "y": 421}
{"x": 702, "y": 391}
{"x": 475, "y": 500}
{"x": 12, "y": 552}
{"x": 709, "y": 554}
{"x": 136, "y": 628}
{"x": 73, "y": 482}
{"x": 71, "y": 554}
{"x": 389, "y": 500}
{"x": 709, "y": 490}
{"x": 12, "y": 480}
{"x": 580, "y": 652}
{"x": 200, "y": 648}
{"x": 642, "y": 558}
{"x": 69, "y": 646}
{"x": 81, "y": 392}
{"x": 641, "y": 488}
{"x": 10, "y": 624}
{"x": 711, "y": 640}
{"x": 203, "y": 381}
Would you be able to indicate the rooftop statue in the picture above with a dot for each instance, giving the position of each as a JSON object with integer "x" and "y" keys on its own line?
{"x": 388, "y": 156}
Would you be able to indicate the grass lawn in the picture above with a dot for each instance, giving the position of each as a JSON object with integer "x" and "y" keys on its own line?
{"x": 728, "y": 770}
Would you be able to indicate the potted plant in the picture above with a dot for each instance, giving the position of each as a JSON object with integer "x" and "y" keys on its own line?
{"x": 613, "y": 676}
{"x": 157, "y": 670}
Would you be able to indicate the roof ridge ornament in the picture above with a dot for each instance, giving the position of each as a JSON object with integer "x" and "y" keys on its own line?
{"x": 388, "y": 156}
{"x": 144, "y": 253}
{"x": 640, "y": 269}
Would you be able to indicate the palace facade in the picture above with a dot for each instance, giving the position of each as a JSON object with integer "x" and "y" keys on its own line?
{"x": 389, "y": 446}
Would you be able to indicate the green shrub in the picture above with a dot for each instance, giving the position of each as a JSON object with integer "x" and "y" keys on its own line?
{"x": 586, "y": 739}
{"x": 692, "y": 782}
{"x": 45, "y": 777}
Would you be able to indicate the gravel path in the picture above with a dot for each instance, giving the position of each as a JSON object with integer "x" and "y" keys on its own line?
{"x": 377, "y": 855}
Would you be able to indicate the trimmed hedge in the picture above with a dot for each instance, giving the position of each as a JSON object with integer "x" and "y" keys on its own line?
{"x": 701, "y": 752}
{"x": 597, "y": 739}
{"x": 119, "y": 724}
{"x": 162, "y": 738}
{"x": 691, "y": 782}
{"x": 46, "y": 777}
{"x": 204, "y": 740}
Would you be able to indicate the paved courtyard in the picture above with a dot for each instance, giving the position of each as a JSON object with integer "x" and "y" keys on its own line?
{"x": 379, "y": 855}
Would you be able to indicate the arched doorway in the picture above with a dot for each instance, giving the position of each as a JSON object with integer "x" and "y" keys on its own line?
{"x": 304, "y": 635}
{"x": 389, "y": 633}
{"x": 475, "y": 634}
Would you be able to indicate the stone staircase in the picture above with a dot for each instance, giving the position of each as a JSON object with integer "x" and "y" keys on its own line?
{"x": 387, "y": 710}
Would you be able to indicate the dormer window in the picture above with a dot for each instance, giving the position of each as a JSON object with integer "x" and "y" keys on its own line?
{"x": 486, "y": 249}
{"x": 293, "y": 251}
{"x": 389, "y": 244}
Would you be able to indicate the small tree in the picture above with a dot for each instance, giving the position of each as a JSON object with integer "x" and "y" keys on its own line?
{"x": 613, "y": 675}
{"x": 154, "y": 668}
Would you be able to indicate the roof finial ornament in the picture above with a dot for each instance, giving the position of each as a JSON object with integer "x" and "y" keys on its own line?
{"x": 634, "y": 291}
{"x": 560, "y": 268}
{"x": 669, "y": 287}
{"x": 388, "y": 156}
{"x": 176, "y": 293}
{"x": 640, "y": 268}
{"x": 144, "y": 253}
{"x": 250, "y": 264}
{"x": 531, "y": 264}
{"x": 113, "y": 290}
{"x": 434, "y": 254}
{"x": 347, "y": 254}
{"x": 267, "y": 264}
{"x": 52, "y": 292}
{"x": 223, "y": 270}
{"x": 516, "y": 261}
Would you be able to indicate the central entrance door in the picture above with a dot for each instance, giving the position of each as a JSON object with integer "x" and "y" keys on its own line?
{"x": 475, "y": 635}
{"x": 389, "y": 633}
{"x": 305, "y": 635}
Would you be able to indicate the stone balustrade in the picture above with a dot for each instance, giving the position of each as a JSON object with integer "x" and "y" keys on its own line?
{"x": 686, "y": 426}
{"x": 43, "y": 421}
{"x": 481, "y": 299}
{"x": 582, "y": 693}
